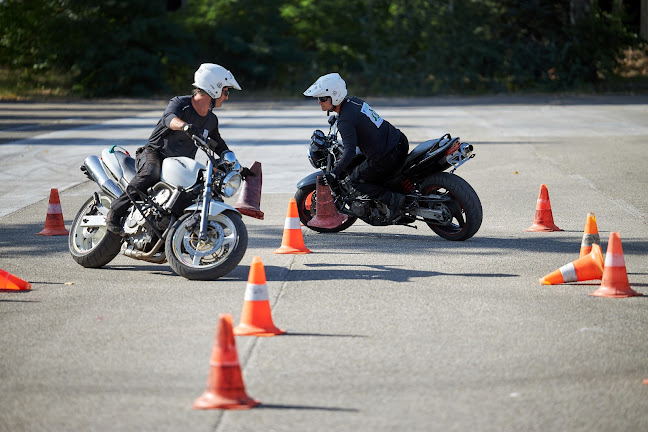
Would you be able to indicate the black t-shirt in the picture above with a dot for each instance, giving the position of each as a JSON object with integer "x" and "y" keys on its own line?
{"x": 170, "y": 142}
{"x": 361, "y": 126}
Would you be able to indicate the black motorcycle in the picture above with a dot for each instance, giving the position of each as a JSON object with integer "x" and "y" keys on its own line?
{"x": 443, "y": 200}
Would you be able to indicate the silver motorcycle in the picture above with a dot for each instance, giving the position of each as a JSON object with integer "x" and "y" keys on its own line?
{"x": 182, "y": 219}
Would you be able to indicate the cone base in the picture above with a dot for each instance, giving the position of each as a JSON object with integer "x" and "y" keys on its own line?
{"x": 54, "y": 232}
{"x": 12, "y": 283}
{"x": 251, "y": 212}
{"x": 248, "y": 330}
{"x": 292, "y": 250}
{"x": 605, "y": 291}
{"x": 17, "y": 289}
{"x": 328, "y": 222}
{"x": 213, "y": 401}
{"x": 542, "y": 227}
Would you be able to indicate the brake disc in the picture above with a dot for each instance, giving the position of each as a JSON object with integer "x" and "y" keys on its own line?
{"x": 197, "y": 247}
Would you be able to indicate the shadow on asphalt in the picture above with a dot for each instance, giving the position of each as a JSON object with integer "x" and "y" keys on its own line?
{"x": 289, "y": 333}
{"x": 304, "y": 407}
{"x": 22, "y": 239}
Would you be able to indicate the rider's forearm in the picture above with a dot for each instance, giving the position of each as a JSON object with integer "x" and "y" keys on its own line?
{"x": 176, "y": 123}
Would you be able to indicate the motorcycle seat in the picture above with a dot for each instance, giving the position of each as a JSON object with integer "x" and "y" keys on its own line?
{"x": 420, "y": 150}
{"x": 127, "y": 165}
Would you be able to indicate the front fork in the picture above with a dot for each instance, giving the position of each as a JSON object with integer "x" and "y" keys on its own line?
{"x": 204, "y": 212}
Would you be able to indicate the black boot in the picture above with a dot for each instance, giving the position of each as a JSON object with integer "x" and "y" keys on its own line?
{"x": 113, "y": 222}
{"x": 395, "y": 203}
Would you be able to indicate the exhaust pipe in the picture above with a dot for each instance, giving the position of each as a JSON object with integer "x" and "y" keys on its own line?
{"x": 95, "y": 170}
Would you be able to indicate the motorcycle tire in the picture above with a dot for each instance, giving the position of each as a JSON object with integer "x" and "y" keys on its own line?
{"x": 306, "y": 198}
{"x": 195, "y": 260}
{"x": 465, "y": 206}
{"x": 93, "y": 247}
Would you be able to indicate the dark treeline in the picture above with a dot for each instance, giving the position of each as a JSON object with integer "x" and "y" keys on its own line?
{"x": 383, "y": 47}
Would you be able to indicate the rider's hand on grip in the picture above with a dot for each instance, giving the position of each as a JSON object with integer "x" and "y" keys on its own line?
{"x": 190, "y": 130}
{"x": 245, "y": 172}
{"x": 328, "y": 179}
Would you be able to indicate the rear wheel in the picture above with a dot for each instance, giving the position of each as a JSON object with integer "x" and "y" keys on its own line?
{"x": 90, "y": 244}
{"x": 306, "y": 198}
{"x": 464, "y": 206}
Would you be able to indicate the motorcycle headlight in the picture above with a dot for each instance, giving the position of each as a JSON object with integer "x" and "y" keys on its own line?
{"x": 318, "y": 138}
{"x": 317, "y": 150}
{"x": 316, "y": 155}
{"x": 231, "y": 183}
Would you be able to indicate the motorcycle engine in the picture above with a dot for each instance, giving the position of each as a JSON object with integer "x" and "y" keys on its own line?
{"x": 368, "y": 211}
{"x": 138, "y": 234}
{"x": 360, "y": 208}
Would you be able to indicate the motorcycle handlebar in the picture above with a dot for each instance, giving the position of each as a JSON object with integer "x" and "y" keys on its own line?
{"x": 198, "y": 141}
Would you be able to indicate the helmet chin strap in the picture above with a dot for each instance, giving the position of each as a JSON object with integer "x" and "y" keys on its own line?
{"x": 328, "y": 112}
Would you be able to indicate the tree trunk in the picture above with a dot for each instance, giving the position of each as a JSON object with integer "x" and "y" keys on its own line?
{"x": 644, "y": 20}
{"x": 578, "y": 9}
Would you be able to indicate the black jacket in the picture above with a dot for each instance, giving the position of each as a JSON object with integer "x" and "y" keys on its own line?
{"x": 170, "y": 142}
{"x": 360, "y": 126}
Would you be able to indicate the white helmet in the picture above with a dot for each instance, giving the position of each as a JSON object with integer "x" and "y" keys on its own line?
{"x": 329, "y": 85}
{"x": 212, "y": 78}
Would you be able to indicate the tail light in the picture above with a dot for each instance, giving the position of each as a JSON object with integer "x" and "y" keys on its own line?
{"x": 454, "y": 147}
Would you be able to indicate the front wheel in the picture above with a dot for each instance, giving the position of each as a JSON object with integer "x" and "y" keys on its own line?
{"x": 90, "y": 244}
{"x": 210, "y": 258}
{"x": 306, "y": 198}
{"x": 464, "y": 206}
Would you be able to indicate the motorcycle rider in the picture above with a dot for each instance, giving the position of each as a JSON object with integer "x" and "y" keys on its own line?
{"x": 384, "y": 146}
{"x": 183, "y": 117}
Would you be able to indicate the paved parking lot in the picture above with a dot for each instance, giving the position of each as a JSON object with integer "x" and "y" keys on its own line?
{"x": 388, "y": 328}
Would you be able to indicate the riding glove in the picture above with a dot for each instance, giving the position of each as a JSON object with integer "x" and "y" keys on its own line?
{"x": 245, "y": 172}
{"x": 190, "y": 130}
{"x": 328, "y": 179}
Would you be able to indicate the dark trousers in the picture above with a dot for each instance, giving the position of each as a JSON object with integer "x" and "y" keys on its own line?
{"x": 369, "y": 176}
{"x": 148, "y": 165}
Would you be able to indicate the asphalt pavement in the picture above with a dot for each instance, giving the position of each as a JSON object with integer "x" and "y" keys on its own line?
{"x": 387, "y": 328}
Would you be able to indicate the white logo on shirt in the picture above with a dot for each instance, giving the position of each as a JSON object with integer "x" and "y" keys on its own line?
{"x": 373, "y": 115}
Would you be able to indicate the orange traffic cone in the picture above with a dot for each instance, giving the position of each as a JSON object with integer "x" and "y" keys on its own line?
{"x": 249, "y": 201}
{"x": 543, "y": 217}
{"x": 590, "y": 235}
{"x": 9, "y": 282}
{"x": 615, "y": 277}
{"x": 293, "y": 241}
{"x": 54, "y": 221}
{"x": 326, "y": 214}
{"x": 256, "y": 318}
{"x": 585, "y": 268}
{"x": 225, "y": 387}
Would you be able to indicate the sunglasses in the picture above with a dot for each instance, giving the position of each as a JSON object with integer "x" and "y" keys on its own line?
{"x": 226, "y": 92}
{"x": 324, "y": 98}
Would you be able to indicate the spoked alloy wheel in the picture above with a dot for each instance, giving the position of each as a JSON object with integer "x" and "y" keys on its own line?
{"x": 213, "y": 257}
{"x": 464, "y": 209}
{"x": 306, "y": 198}
{"x": 90, "y": 244}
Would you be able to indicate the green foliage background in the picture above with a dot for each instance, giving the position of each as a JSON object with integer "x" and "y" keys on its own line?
{"x": 279, "y": 47}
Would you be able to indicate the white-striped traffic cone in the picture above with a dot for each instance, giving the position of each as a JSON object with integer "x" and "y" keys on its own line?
{"x": 54, "y": 221}
{"x": 293, "y": 241}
